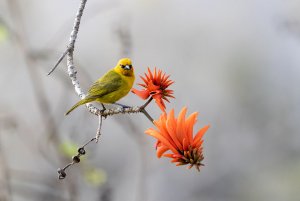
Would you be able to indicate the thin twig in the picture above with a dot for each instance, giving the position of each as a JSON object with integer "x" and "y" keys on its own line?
{"x": 75, "y": 159}
{"x": 99, "y": 128}
{"x": 91, "y": 140}
{"x": 147, "y": 103}
{"x": 147, "y": 115}
{"x": 59, "y": 60}
{"x": 73, "y": 36}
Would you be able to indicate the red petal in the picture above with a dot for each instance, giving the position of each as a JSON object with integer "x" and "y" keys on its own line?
{"x": 171, "y": 126}
{"x": 198, "y": 143}
{"x": 144, "y": 94}
{"x": 199, "y": 135}
{"x": 180, "y": 125}
{"x": 143, "y": 85}
{"x": 161, "y": 125}
{"x": 159, "y": 102}
{"x": 162, "y": 139}
{"x": 185, "y": 144}
{"x": 144, "y": 79}
{"x": 150, "y": 74}
{"x": 189, "y": 125}
{"x": 168, "y": 155}
{"x": 157, "y": 144}
{"x": 161, "y": 151}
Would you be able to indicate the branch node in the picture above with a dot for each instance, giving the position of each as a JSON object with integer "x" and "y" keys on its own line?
{"x": 61, "y": 173}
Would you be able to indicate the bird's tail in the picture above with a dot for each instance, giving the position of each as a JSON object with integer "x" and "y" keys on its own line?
{"x": 81, "y": 102}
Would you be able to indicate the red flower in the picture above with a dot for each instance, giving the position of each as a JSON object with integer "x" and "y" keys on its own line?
{"x": 176, "y": 136}
{"x": 156, "y": 85}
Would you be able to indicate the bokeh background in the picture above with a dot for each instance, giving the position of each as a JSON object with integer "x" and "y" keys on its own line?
{"x": 236, "y": 62}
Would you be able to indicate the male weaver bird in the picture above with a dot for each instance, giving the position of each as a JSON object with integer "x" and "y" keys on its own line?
{"x": 112, "y": 86}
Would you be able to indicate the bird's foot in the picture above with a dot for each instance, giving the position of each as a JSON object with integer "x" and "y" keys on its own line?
{"x": 102, "y": 111}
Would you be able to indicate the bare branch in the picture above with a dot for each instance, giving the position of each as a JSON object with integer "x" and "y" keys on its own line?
{"x": 73, "y": 36}
{"x": 70, "y": 61}
{"x": 92, "y": 109}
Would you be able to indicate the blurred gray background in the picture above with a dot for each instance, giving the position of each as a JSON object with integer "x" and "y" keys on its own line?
{"x": 236, "y": 62}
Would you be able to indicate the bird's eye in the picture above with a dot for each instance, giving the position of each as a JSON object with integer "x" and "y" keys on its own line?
{"x": 130, "y": 66}
{"x": 122, "y": 66}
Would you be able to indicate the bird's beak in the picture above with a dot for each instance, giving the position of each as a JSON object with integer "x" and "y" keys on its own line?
{"x": 127, "y": 67}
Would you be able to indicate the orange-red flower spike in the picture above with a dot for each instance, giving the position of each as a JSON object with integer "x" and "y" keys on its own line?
{"x": 175, "y": 136}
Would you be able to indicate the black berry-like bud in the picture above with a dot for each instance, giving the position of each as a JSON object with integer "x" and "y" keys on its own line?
{"x": 76, "y": 159}
{"x": 81, "y": 151}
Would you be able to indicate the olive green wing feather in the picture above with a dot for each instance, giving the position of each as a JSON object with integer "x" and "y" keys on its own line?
{"x": 109, "y": 83}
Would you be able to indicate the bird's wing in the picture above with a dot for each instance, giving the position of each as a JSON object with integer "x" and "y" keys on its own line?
{"x": 110, "y": 82}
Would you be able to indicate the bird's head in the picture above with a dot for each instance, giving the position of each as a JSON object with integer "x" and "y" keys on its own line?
{"x": 125, "y": 67}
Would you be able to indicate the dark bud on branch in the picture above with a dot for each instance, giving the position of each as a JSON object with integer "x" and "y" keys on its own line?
{"x": 76, "y": 159}
{"x": 81, "y": 151}
{"x": 61, "y": 173}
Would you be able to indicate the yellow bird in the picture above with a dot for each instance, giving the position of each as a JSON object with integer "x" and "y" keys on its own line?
{"x": 112, "y": 86}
